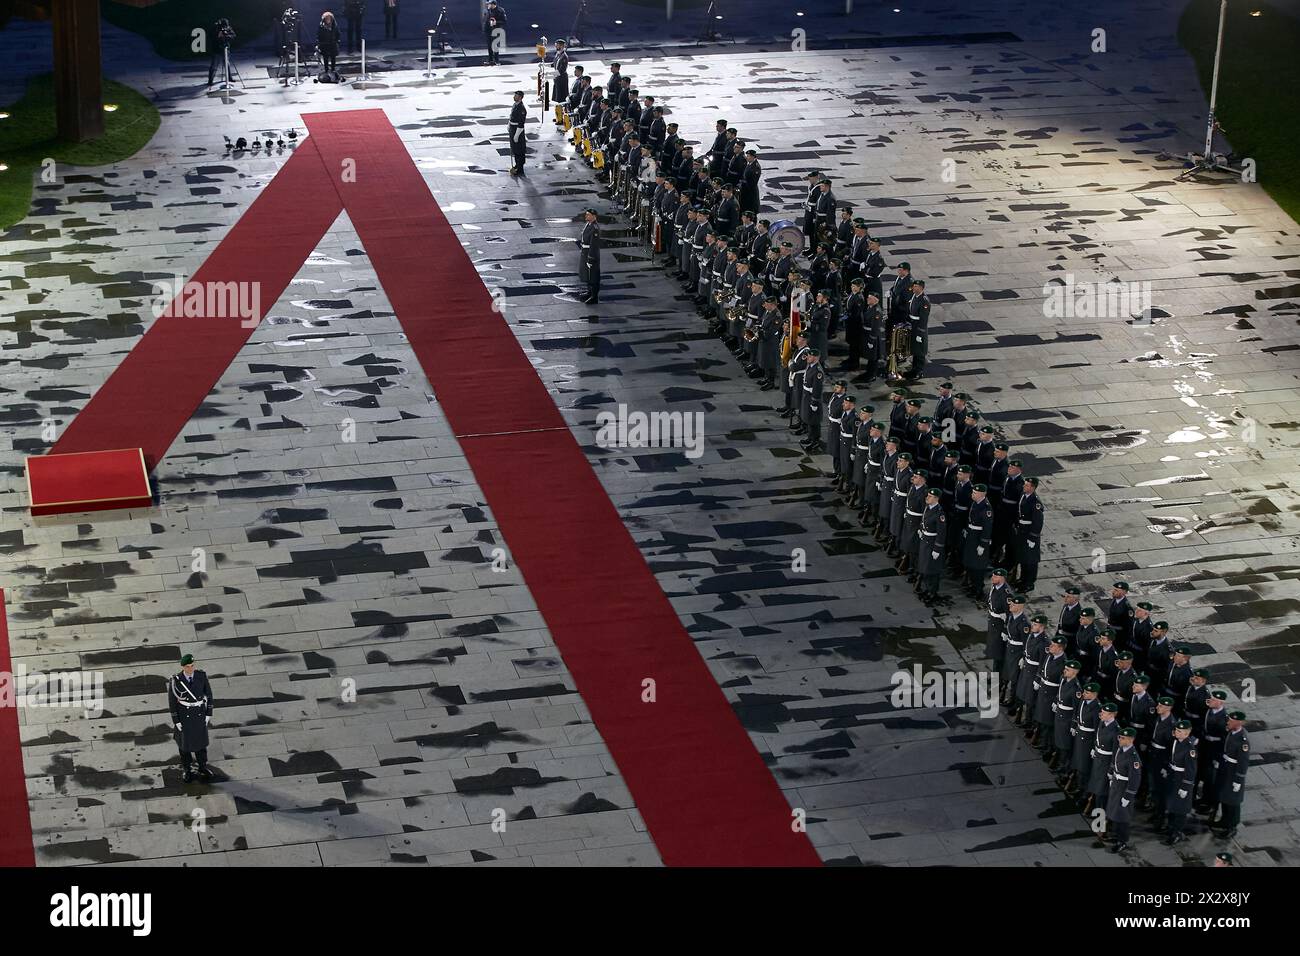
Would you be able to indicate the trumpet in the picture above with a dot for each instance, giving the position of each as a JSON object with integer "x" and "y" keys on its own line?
{"x": 719, "y": 295}
{"x": 750, "y": 334}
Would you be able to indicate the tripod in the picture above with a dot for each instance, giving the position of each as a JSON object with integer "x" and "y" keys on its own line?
{"x": 444, "y": 34}
{"x": 229, "y": 73}
{"x": 1208, "y": 160}
{"x": 577, "y": 33}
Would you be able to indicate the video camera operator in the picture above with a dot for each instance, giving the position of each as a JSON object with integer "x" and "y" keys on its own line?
{"x": 288, "y": 31}
{"x": 222, "y": 33}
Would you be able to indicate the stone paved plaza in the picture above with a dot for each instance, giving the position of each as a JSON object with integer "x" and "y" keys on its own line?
{"x": 1168, "y": 450}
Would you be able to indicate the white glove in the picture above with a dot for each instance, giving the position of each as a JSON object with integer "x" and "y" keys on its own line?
{"x": 1036, "y": 685}
{"x": 1074, "y": 731}
{"x": 1020, "y": 664}
{"x": 1031, "y": 544}
{"x": 178, "y": 726}
{"x": 1164, "y": 773}
{"x": 1123, "y": 802}
{"x": 935, "y": 555}
{"x": 980, "y": 550}
{"x": 207, "y": 720}
{"x": 1092, "y": 754}
{"x": 1236, "y": 788}
{"x": 1182, "y": 794}
{"x": 918, "y": 338}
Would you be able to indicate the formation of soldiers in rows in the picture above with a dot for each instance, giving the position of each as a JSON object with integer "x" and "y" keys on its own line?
{"x": 702, "y": 213}
{"x": 1120, "y": 713}
{"x": 1116, "y": 708}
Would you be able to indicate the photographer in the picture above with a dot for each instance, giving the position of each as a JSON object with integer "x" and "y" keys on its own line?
{"x": 223, "y": 33}
{"x": 494, "y": 18}
{"x": 327, "y": 42}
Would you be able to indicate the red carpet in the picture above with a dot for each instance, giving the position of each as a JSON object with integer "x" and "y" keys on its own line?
{"x": 88, "y": 481}
{"x": 702, "y": 788}
{"x": 704, "y": 792}
{"x": 15, "y": 823}
{"x": 149, "y": 397}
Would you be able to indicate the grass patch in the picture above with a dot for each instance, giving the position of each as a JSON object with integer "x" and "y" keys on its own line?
{"x": 29, "y": 136}
{"x": 1259, "y": 98}
{"x": 169, "y": 26}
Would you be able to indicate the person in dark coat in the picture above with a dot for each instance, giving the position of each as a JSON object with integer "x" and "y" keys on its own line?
{"x": 854, "y": 308}
{"x": 1033, "y": 655}
{"x": 1083, "y": 728}
{"x": 589, "y": 257}
{"x": 1103, "y": 752}
{"x": 1122, "y": 783}
{"x": 720, "y": 151}
{"x": 1163, "y": 725}
{"x": 769, "y": 342}
{"x": 1178, "y": 781}
{"x": 560, "y": 64}
{"x": 494, "y": 19}
{"x": 327, "y": 42}
{"x": 1230, "y": 781}
{"x": 933, "y": 531}
{"x": 1013, "y": 639}
{"x": 997, "y": 605}
{"x": 1068, "y": 694}
{"x": 515, "y": 129}
{"x": 977, "y": 538}
{"x": 390, "y": 19}
{"x": 1047, "y": 687}
{"x": 189, "y": 698}
{"x": 750, "y": 177}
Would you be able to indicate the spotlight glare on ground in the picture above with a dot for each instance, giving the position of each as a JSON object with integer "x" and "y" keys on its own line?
{"x": 1256, "y": 13}
{"x": 3, "y": 167}
{"x": 3, "y": 115}
{"x": 110, "y": 107}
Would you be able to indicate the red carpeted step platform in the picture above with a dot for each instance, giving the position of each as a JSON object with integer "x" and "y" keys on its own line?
{"x": 88, "y": 481}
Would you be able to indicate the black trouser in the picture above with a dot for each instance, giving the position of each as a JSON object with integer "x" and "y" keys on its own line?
{"x": 329, "y": 60}
{"x": 1229, "y": 815}
{"x": 202, "y": 756}
{"x": 354, "y": 34}
{"x": 519, "y": 149}
{"x": 1122, "y": 831}
{"x": 390, "y": 23}
{"x": 1177, "y": 821}
{"x": 494, "y": 55}
{"x": 920, "y": 348}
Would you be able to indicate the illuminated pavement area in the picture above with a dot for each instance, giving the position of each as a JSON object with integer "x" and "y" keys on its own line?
{"x": 371, "y": 560}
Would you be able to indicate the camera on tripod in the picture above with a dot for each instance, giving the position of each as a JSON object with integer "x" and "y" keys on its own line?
{"x": 224, "y": 31}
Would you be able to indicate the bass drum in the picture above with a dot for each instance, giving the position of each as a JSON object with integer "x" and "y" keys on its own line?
{"x": 783, "y": 230}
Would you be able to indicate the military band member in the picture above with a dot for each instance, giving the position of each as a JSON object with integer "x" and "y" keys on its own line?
{"x": 885, "y": 487}
{"x": 855, "y": 257}
{"x": 1163, "y": 724}
{"x": 1068, "y": 693}
{"x": 657, "y": 132}
{"x": 825, "y": 207}
{"x": 589, "y": 257}
{"x": 1122, "y": 787}
{"x": 998, "y": 605}
{"x": 515, "y": 128}
{"x": 1083, "y": 728}
{"x": 898, "y": 513}
{"x": 189, "y": 698}
{"x": 1103, "y": 753}
{"x": 736, "y": 164}
{"x": 819, "y": 321}
{"x": 1013, "y": 640}
{"x": 1035, "y": 649}
{"x": 873, "y": 333}
{"x": 750, "y": 177}
{"x": 580, "y": 83}
{"x": 910, "y": 426}
{"x": 754, "y": 313}
{"x": 934, "y": 538}
{"x": 1178, "y": 781}
{"x": 810, "y": 405}
{"x": 1230, "y": 779}
{"x": 1046, "y": 687}
{"x": 769, "y": 342}
{"x": 977, "y": 537}
{"x": 720, "y": 150}
{"x": 900, "y": 295}
{"x": 726, "y": 218}
{"x": 1214, "y": 729}
{"x": 810, "y": 219}
{"x": 792, "y": 382}
{"x": 844, "y": 235}
{"x": 560, "y": 64}
{"x": 854, "y": 309}
{"x": 918, "y": 310}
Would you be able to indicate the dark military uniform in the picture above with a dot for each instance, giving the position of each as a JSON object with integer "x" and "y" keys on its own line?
{"x": 885, "y": 492}
{"x": 1162, "y": 737}
{"x": 1017, "y": 631}
{"x": 1068, "y": 693}
{"x": 899, "y": 493}
{"x": 1028, "y": 533}
{"x": 1215, "y": 725}
{"x": 589, "y": 258}
{"x": 910, "y": 539}
{"x": 1034, "y": 651}
{"x": 1123, "y": 781}
{"x": 518, "y": 141}
{"x": 1046, "y": 697}
{"x": 994, "y": 644}
{"x": 1178, "y": 784}
{"x": 929, "y": 566}
{"x": 834, "y": 409}
{"x": 1103, "y": 750}
{"x": 1231, "y": 777}
{"x": 1087, "y": 717}
{"x": 977, "y": 538}
{"x": 190, "y": 702}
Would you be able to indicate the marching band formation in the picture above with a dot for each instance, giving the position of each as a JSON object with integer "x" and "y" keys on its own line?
{"x": 1115, "y": 708}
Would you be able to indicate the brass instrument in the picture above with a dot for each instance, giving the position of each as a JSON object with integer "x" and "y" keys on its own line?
{"x": 658, "y": 234}
{"x": 719, "y": 295}
{"x": 598, "y": 158}
{"x": 568, "y": 121}
{"x": 898, "y": 349}
{"x": 561, "y": 116}
{"x": 750, "y": 334}
{"x": 587, "y": 148}
{"x": 735, "y": 311}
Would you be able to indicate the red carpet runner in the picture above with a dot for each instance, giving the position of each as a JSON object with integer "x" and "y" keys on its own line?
{"x": 704, "y": 792}
{"x": 15, "y": 822}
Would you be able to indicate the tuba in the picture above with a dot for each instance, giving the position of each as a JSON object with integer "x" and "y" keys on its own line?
{"x": 898, "y": 349}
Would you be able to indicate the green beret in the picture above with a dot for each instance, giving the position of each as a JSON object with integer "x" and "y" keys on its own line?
{"x": 187, "y": 659}
{"x": 1167, "y": 701}
{"x": 1092, "y": 686}
{"x": 1183, "y": 725}
{"x": 1110, "y": 707}
{"x": 1237, "y": 715}
{"x": 1127, "y": 732}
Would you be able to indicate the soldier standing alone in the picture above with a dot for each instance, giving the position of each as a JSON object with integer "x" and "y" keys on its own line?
{"x": 189, "y": 698}
{"x": 589, "y": 257}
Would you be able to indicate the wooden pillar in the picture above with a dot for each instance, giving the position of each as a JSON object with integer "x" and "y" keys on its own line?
{"x": 78, "y": 88}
